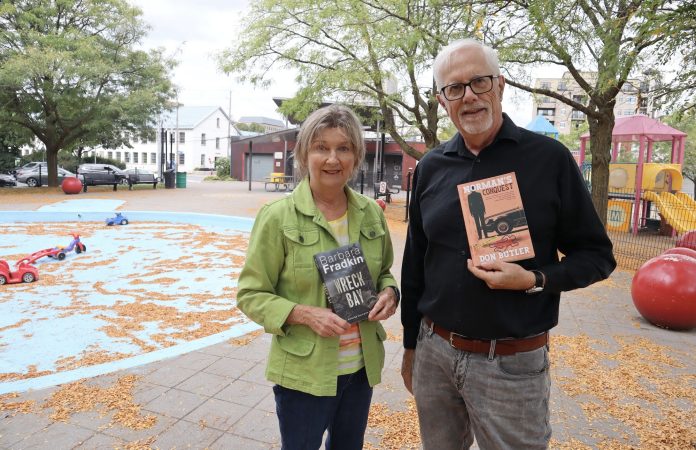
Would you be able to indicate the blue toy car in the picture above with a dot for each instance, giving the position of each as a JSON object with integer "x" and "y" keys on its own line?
{"x": 118, "y": 220}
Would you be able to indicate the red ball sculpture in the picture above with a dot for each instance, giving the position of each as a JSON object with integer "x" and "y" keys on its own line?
{"x": 680, "y": 251}
{"x": 381, "y": 203}
{"x": 688, "y": 240}
{"x": 71, "y": 185}
{"x": 664, "y": 291}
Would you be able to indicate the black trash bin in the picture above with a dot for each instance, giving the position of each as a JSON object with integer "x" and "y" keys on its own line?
{"x": 169, "y": 178}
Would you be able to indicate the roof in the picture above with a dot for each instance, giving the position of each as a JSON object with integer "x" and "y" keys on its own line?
{"x": 261, "y": 120}
{"x": 542, "y": 126}
{"x": 189, "y": 116}
{"x": 629, "y": 129}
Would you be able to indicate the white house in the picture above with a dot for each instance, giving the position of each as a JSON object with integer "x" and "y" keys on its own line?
{"x": 200, "y": 137}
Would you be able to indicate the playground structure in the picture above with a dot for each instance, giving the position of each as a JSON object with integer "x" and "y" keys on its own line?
{"x": 55, "y": 252}
{"x": 634, "y": 187}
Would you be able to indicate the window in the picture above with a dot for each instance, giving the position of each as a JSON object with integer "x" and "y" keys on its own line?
{"x": 217, "y": 142}
{"x": 144, "y": 158}
{"x": 631, "y": 99}
{"x": 562, "y": 86}
{"x": 562, "y": 124}
{"x": 181, "y": 159}
{"x": 544, "y": 84}
{"x": 135, "y": 157}
{"x": 546, "y": 112}
{"x": 202, "y": 138}
{"x": 126, "y": 156}
{"x": 182, "y": 137}
{"x": 118, "y": 156}
{"x": 110, "y": 155}
{"x": 217, "y": 122}
{"x": 202, "y": 160}
{"x": 153, "y": 158}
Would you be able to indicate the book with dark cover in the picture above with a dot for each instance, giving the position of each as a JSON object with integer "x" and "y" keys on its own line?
{"x": 347, "y": 282}
{"x": 494, "y": 218}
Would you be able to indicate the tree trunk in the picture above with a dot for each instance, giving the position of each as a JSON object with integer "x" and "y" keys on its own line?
{"x": 600, "y": 146}
{"x": 52, "y": 163}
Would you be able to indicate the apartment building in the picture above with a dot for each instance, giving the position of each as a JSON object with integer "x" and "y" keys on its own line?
{"x": 632, "y": 99}
{"x": 196, "y": 137}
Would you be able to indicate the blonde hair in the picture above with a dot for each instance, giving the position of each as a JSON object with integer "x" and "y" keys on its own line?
{"x": 333, "y": 116}
{"x": 443, "y": 57}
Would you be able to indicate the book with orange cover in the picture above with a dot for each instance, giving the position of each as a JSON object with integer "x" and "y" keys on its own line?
{"x": 496, "y": 225}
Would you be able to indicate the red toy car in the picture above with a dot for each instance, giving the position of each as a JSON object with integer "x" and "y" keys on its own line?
{"x": 25, "y": 273}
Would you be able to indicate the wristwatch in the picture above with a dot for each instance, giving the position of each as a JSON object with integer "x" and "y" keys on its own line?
{"x": 539, "y": 282}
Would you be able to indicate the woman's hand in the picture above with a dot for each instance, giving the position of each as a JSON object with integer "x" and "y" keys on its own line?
{"x": 385, "y": 306}
{"x": 322, "y": 321}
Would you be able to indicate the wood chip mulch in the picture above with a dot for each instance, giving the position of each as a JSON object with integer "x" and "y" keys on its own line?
{"x": 394, "y": 429}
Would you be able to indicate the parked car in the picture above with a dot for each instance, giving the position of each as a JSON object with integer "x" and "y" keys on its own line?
{"x": 28, "y": 167}
{"x": 100, "y": 175}
{"x": 504, "y": 223}
{"x": 7, "y": 180}
{"x": 38, "y": 176}
{"x": 141, "y": 176}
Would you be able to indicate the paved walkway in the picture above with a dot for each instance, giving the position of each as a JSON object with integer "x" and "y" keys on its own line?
{"x": 618, "y": 381}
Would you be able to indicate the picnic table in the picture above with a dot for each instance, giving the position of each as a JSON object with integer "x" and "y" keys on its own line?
{"x": 279, "y": 181}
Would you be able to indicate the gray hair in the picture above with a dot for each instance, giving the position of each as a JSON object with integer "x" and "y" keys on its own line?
{"x": 333, "y": 116}
{"x": 443, "y": 57}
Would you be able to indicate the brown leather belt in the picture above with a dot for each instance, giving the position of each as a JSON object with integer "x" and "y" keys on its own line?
{"x": 501, "y": 347}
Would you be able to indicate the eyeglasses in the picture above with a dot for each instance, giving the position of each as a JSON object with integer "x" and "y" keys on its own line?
{"x": 479, "y": 85}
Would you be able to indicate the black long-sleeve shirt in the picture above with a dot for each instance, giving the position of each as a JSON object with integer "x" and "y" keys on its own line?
{"x": 561, "y": 218}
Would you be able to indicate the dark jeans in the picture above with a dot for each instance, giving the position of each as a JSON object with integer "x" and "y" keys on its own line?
{"x": 303, "y": 417}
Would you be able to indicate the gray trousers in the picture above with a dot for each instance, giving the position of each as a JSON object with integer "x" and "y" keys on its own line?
{"x": 503, "y": 401}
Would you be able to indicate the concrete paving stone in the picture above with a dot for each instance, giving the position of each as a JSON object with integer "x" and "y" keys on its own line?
{"x": 131, "y": 435}
{"x": 204, "y": 383}
{"x": 244, "y": 393}
{"x": 257, "y": 374}
{"x": 56, "y": 436}
{"x": 258, "y": 425}
{"x": 175, "y": 403}
{"x": 102, "y": 442}
{"x": 228, "y": 367}
{"x": 217, "y": 414}
{"x": 268, "y": 403}
{"x": 256, "y": 350}
{"x": 194, "y": 360}
{"x": 91, "y": 420}
{"x": 392, "y": 347}
{"x": 186, "y": 435}
{"x": 15, "y": 428}
{"x": 146, "y": 392}
{"x": 231, "y": 441}
{"x": 169, "y": 376}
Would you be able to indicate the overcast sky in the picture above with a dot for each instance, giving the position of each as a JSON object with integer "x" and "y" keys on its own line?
{"x": 195, "y": 31}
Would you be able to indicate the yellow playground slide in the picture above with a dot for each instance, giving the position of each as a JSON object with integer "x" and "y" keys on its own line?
{"x": 687, "y": 200}
{"x": 679, "y": 215}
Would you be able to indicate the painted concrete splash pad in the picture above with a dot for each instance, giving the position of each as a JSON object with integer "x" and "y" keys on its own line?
{"x": 163, "y": 285}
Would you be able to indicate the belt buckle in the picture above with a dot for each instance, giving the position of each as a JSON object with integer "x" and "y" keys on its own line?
{"x": 451, "y": 339}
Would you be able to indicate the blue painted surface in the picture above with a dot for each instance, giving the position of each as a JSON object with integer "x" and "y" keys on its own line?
{"x": 166, "y": 260}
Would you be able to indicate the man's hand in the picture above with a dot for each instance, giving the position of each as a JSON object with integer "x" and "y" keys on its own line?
{"x": 385, "y": 306}
{"x": 407, "y": 368}
{"x": 502, "y": 275}
{"x": 322, "y": 320}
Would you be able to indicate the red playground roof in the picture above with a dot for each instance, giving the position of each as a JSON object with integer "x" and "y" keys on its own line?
{"x": 632, "y": 127}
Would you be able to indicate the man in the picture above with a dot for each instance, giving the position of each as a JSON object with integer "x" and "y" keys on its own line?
{"x": 478, "y": 211}
{"x": 476, "y": 336}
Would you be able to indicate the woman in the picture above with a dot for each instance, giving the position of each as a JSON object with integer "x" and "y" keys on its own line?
{"x": 323, "y": 367}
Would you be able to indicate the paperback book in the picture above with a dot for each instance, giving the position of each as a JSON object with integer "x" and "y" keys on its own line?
{"x": 347, "y": 282}
{"x": 496, "y": 226}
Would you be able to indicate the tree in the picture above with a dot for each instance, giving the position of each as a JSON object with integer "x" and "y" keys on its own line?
{"x": 354, "y": 52}
{"x": 70, "y": 73}
{"x": 686, "y": 122}
{"x": 255, "y": 127}
{"x": 601, "y": 44}
{"x": 12, "y": 138}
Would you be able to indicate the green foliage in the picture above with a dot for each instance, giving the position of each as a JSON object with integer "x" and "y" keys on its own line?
{"x": 354, "y": 52}
{"x": 222, "y": 168}
{"x": 255, "y": 127}
{"x": 686, "y": 122}
{"x": 71, "y": 74}
{"x": 572, "y": 139}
